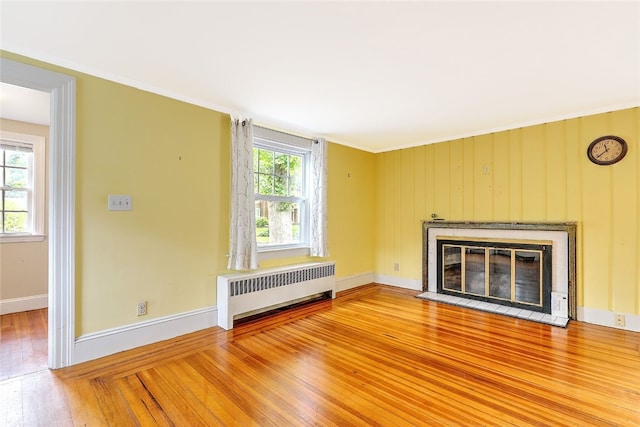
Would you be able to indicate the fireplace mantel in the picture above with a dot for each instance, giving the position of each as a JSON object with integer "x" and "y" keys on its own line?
{"x": 568, "y": 227}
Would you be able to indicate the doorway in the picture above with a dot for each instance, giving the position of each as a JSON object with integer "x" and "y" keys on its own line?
{"x": 61, "y": 206}
{"x": 24, "y": 130}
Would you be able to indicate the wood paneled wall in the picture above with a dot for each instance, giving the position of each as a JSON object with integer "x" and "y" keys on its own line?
{"x": 536, "y": 173}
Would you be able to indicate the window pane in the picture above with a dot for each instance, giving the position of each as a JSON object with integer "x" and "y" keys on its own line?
{"x": 265, "y": 184}
{"x": 281, "y": 164}
{"x": 16, "y": 178}
{"x": 262, "y": 222}
{"x": 14, "y": 158}
{"x": 15, "y": 201}
{"x": 281, "y": 174}
{"x": 1, "y": 176}
{"x": 265, "y": 161}
{"x": 280, "y": 185}
{"x": 15, "y": 222}
{"x": 277, "y": 223}
{"x": 295, "y": 186}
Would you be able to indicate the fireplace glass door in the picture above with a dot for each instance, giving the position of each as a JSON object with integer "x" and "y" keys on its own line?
{"x": 510, "y": 273}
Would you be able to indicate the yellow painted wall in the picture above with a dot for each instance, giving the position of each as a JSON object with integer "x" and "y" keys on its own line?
{"x": 536, "y": 173}
{"x": 351, "y": 210}
{"x": 24, "y": 266}
{"x": 173, "y": 159}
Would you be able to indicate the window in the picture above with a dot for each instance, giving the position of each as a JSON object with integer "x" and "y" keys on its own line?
{"x": 280, "y": 167}
{"x": 21, "y": 186}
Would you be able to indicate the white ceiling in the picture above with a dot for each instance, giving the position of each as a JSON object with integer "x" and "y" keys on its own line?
{"x": 372, "y": 75}
{"x": 24, "y": 105}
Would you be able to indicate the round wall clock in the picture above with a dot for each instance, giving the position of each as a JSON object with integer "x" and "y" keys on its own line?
{"x": 607, "y": 150}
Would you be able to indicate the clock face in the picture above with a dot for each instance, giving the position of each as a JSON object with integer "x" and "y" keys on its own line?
{"x": 607, "y": 150}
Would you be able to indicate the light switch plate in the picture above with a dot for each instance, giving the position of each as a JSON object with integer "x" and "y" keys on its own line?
{"x": 119, "y": 202}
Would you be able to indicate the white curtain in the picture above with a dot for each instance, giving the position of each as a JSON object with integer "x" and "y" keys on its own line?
{"x": 319, "y": 246}
{"x": 243, "y": 254}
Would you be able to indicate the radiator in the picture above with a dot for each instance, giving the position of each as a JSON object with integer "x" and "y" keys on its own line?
{"x": 243, "y": 293}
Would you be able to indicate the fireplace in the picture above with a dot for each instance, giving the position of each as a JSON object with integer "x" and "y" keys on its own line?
{"x": 528, "y": 267}
{"x": 516, "y": 273}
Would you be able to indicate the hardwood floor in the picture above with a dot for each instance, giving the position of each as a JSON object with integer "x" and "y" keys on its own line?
{"x": 373, "y": 356}
{"x": 23, "y": 343}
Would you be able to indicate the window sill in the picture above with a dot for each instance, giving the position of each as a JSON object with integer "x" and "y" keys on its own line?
{"x": 23, "y": 238}
{"x": 265, "y": 254}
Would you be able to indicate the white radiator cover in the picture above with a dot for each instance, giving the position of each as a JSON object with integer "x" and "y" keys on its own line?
{"x": 241, "y": 293}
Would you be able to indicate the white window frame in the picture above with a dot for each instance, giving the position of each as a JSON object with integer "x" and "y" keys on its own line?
{"x": 37, "y": 205}
{"x": 288, "y": 144}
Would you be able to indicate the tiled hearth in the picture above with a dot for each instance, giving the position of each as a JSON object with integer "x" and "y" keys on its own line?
{"x": 495, "y": 308}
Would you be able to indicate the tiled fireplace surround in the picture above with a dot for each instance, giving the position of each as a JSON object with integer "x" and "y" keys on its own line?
{"x": 563, "y": 236}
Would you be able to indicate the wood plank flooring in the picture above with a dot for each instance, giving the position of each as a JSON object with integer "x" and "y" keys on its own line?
{"x": 373, "y": 356}
{"x": 23, "y": 343}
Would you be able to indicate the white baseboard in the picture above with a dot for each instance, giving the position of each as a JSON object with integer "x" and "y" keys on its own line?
{"x": 400, "y": 282}
{"x": 99, "y": 344}
{"x": 350, "y": 282}
{"x": 111, "y": 341}
{"x": 16, "y": 305}
{"x": 607, "y": 318}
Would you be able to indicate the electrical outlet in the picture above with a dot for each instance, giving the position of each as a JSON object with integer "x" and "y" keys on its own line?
{"x": 142, "y": 308}
{"x": 396, "y": 267}
{"x": 620, "y": 321}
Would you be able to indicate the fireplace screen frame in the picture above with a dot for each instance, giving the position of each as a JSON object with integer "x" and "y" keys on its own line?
{"x": 563, "y": 234}
{"x": 521, "y": 253}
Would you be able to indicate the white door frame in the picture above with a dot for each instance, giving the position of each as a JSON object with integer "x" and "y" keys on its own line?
{"x": 61, "y": 177}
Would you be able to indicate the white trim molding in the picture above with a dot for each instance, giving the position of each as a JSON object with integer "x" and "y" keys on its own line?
{"x": 608, "y": 318}
{"x": 62, "y": 168}
{"x": 401, "y": 282}
{"x": 16, "y": 305}
{"x": 350, "y": 282}
{"x": 23, "y": 238}
{"x": 110, "y": 341}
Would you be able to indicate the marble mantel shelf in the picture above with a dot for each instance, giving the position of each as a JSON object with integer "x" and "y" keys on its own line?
{"x": 502, "y": 225}
{"x": 569, "y": 227}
